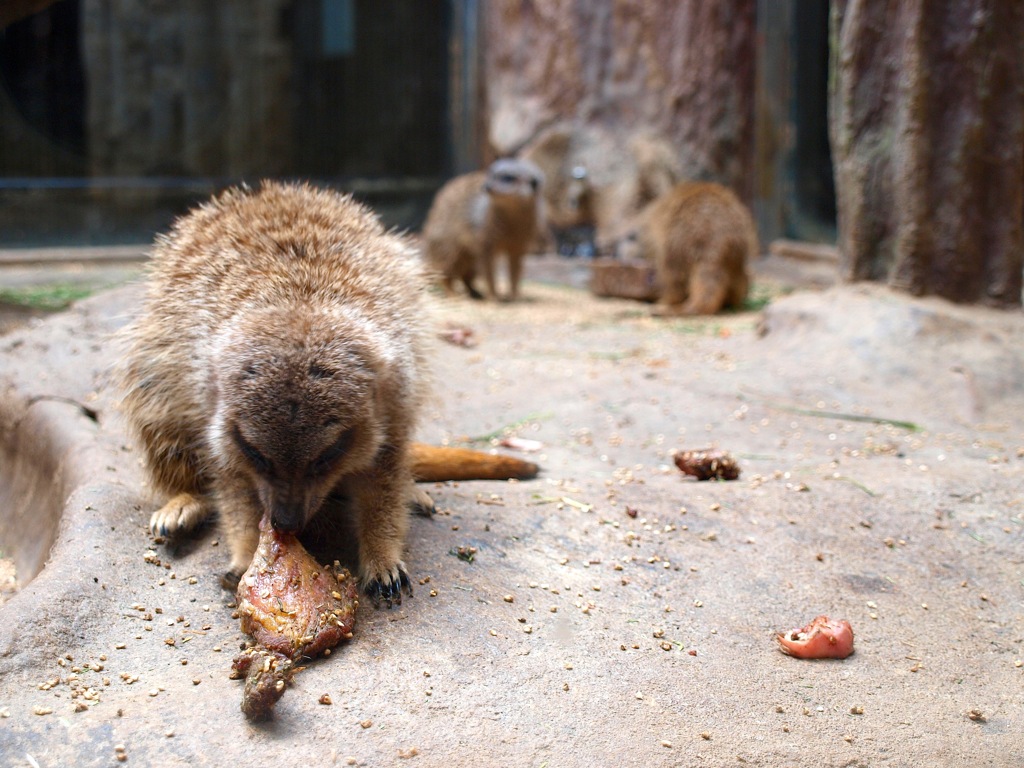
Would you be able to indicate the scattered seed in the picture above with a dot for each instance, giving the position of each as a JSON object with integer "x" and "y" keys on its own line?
{"x": 977, "y": 716}
{"x": 706, "y": 736}
{"x": 326, "y": 699}
{"x": 666, "y": 744}
{"x": 857, "y": 710}
{"x": 366, "y": 723}
{"x": 42, "y": 710}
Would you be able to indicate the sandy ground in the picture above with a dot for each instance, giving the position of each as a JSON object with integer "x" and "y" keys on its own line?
{"x": 615, "y": 612}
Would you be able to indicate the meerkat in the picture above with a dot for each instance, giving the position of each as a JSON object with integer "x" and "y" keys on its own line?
{"x": 699, "y": 237}
{"x": 280, "y": 357}
{"x": 476, "y": 216}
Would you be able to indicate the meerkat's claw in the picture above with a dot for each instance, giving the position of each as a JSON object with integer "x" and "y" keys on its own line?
{"x": 181, "y": 514}
{"x": 230, "y": 580}
{"x": 389, "y": 588}
{"x": 421, "y": 504}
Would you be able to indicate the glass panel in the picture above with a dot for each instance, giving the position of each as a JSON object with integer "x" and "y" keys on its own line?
{"x": 115, "y": 115}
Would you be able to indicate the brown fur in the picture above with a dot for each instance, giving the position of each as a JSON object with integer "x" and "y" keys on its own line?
{"x": 279, "y": 358}
{"x": 476, "y": 216}
{"x": 699, "y": 237}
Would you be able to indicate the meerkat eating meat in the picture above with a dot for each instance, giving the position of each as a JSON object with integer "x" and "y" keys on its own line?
{"x": 280, "y": 358}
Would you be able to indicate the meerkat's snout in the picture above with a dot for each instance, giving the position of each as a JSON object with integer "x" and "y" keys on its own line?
{"x": 288, "y": 514}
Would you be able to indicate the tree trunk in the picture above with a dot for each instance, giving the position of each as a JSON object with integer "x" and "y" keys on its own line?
{"x": 681, "y": 69}
{"x": 927, "y": 122}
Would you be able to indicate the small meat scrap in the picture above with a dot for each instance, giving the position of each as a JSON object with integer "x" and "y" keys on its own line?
{"x": 707, "y": 465}
{"x": 294, "y": 609}
{"x": 823, "y": 638}
{"x": 460, "y": 336}
{"x": 521, "y": 444}
{"x": 266, "y": 674}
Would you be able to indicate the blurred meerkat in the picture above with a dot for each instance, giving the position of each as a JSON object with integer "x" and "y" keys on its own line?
{"x": 280, "y": 357}
{"x": 699, "y": 236}
{"x": 476, "y": 216}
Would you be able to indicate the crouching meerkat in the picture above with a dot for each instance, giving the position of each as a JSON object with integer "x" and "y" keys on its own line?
{"x": 279, "y": 358}
{"x": 699, "y": 237}
{"x": 476, "y": 216}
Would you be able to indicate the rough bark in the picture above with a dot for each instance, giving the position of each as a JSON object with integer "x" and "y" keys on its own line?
{"x": 680, "y": 69}
{"x": 927, "y": 121}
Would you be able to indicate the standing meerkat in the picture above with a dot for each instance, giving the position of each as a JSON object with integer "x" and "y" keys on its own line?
{"x": 699, "y": 236}
{"x": 280, "y": 358}
{"x": 476, "y": 216}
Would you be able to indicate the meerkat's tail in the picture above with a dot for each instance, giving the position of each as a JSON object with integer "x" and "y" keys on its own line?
{"x": 431, "y": 463}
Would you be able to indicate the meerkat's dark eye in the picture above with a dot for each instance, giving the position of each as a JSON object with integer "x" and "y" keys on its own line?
{"x": 323, "y": 463}
{"x": 259, "y": 462}
{"x": 507, "y": 178}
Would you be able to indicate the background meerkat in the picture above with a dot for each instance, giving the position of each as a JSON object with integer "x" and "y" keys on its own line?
{"x": 279, "y": 358}
{"x": 476, "y": 216}
{"x": 699, "y": 236}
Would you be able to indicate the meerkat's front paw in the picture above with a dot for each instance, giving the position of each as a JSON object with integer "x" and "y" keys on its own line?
{"x": 229, "y": 580}
{"x": 420, "y": 503}
{"x": 181, "y": 514}
{"x": 388, "y": 587}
